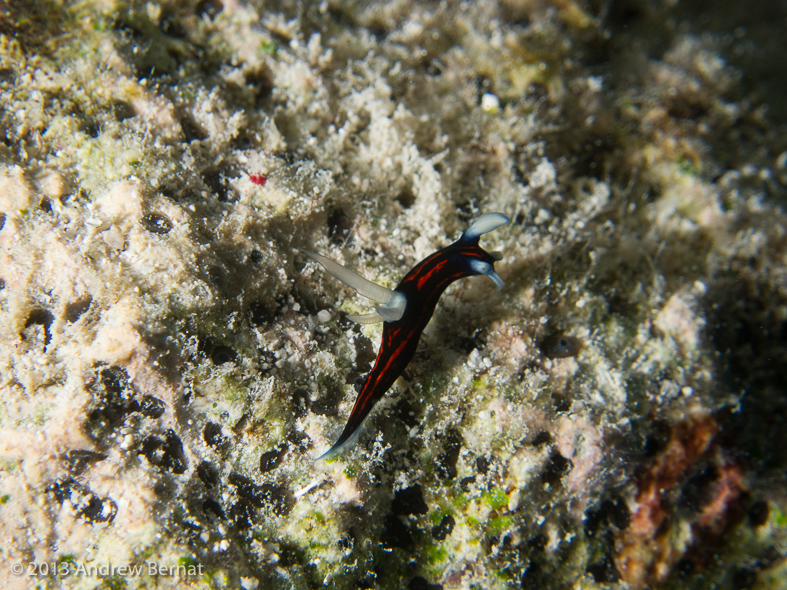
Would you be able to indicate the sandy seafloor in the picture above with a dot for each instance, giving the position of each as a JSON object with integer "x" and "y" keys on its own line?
{"x": 171, "y": 363}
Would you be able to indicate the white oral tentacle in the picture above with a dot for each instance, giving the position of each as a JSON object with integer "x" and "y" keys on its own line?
{"x": 352, "y": 279}
{"x": 366, "y": 318}
{"x": 394, "y": 309}
{"x": 392, "y": 303}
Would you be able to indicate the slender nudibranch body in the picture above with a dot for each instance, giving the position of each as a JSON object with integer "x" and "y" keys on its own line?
{"x": 407, "y": 309}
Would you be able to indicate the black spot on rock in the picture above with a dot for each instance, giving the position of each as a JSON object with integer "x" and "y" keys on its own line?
{"x": 166, "y": 454}
{"x": 328, "y": 403}
{"x": 346, "y": 543}
{"x": 211, "y": 507}
{"x": 299, "y": 439}
{"x": 243, "y": 513}
{"x": 421, "y": 583}
{"x": 152, "y": 407}
{"x": 744, "y": 578}
{"x": 562, "y": 403}
{"x": 542, "y": 438}
{"x": 260, "y": 80}
{"x": 213, "y": 436}
{"x": 113, "y": 399}
{"x": 407, "y": 413}
{"x": 613, "y": 512}
{"x": 409, "y": 501}
{"x": 301, "y": 401}
{"x": 209, "y": 8}
{"x": 466, "y": 482}
{"x": 156, "y": 223}
{"x": 443, "y": 529}
{"x": 192, "y": 130}
{"x": 87, "y": 505}
{"x": 223, "y": 354}
{"x": 277, "y": 498}
{"x": 218, "y": 276}
{"x": 658, "y": 438}
{"x": 295, "y": 557}
{"x": 270, "y": 460}
{"x": 122, "y": 110}
{"x": 339, "y": 225}
{"x": 78, "y": 460}
{"x": 217, "y": 183}
{"x": 758, "y": 513}
{"x": 73, "y": 311}
{"x": 467, "y": 345}
{"x": 604, "y": 571}
{"x": 256, "y": 256}
{"x": 396, "y": 534}
{"x": 406, "y": 197}
{"x": 559, "y": 346}
{"x": 446, "y": 461}
{"x": 260, "y": 313}
{"x": 557, "y": 466}
{"x": 43, "y": 318}
{"x": 698, "y": 490}
{"x": 208, "y": 474}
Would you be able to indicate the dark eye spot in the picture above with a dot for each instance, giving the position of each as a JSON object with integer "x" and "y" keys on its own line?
{"x": 156, "y": 223}
{"x": 560, "y": 346}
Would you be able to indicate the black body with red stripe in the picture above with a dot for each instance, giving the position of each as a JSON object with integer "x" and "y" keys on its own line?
{"x": 422, "y": 287}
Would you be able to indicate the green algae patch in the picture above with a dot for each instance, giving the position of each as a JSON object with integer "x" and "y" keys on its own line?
{"x": 438, "y": 515}
{"x": 498, "y": 524}
{"x": 435, "y": 557}
{"x": 496, "y": 498}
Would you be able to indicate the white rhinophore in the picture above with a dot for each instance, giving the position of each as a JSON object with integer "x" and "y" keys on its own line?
{"x": 484, "y": 268}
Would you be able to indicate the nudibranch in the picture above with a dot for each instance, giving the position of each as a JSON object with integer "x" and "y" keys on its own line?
{"x": 407, "y": 309}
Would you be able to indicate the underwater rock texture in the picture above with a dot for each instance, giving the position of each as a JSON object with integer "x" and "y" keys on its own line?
{"x": 171, "y": 364}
